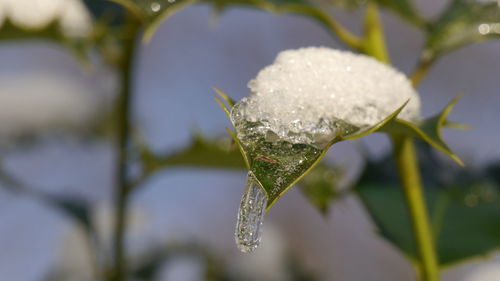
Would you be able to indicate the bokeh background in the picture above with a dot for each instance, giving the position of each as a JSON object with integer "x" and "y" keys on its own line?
{"x": 188, "y": 56}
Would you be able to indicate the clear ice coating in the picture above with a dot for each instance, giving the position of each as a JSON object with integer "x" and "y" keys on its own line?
{"x": 297, "y": 107}
{"x": 250, "y": 216}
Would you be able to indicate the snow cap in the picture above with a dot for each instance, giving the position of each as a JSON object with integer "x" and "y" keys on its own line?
{"x": 308, "y": 94}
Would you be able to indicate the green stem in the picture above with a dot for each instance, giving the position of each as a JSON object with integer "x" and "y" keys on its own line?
{"x": 439, "y": 213}
{"x": 407, "y": 164}
{"x": 325, "y": 18}
{"x": 338, "y": 29}
{"x": 406, "y": 160}
{"x": 421, "y": 70}
{"x": 313, "y": 11}
{"x": 374, "y": 40}
{"x": 122, "y": 192}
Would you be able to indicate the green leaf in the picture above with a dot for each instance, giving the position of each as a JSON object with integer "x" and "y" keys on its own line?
{"x": 279, "y": 165}
{"x": 112, "y": 12}
{"x": 465, "y": 218}
{"x": 225, "y": 106}
{"x": 311, "y": 9}
{"x": 229, "y": 101}
{"x": 201, "y": 153}
{"x": 153, "y": 12}
{"x": 460, "y": 24}
{"x": 75, "y": 208}
{"x": 320, "y": 186}
{"x": 385, "y": 203}
{"x": 266, "y": 5}
{"x": 493, "y": 172}
{"x": 297, "y": 7}
{"x": 428, "y": 130}
{"x": 240, "y": 147}
{"x": 377, "y": 127}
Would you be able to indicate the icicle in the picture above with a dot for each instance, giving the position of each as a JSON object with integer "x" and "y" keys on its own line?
{"x": 250, "y": 216}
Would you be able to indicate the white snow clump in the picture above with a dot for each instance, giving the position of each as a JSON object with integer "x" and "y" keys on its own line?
{"x": 308, "y": 94}
{"x": 73, "y": 16}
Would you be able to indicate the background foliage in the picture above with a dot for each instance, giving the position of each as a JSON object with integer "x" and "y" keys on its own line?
{"x": 463, "y": 204}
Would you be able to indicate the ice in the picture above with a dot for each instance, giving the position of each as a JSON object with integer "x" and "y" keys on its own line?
{"x": 250, "y": 216}
{"x": 310, "y": 95}
{"x": 297, "y": 106}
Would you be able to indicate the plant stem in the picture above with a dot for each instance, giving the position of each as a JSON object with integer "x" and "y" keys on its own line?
{"x": 374, "y": 40}
{"x": 407, "y": 164}
{"x": 122, "y": 192}
{"x": 421, "y": 70}
{"x": 406, "y": 159}
{"x": 343, "y": 34}
{"x": 338, "y": 29}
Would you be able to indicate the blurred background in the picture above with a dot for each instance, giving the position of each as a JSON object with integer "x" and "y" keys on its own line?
{"x": 193, "y": 211}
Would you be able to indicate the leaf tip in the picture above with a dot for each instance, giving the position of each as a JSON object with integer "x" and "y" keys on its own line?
{"x": 225, "y": 97}
{"x": 458, "y": 126}
{"x": 148, "y": 35}
{"x": 223, "y": 106}
{"x": 457, "y": 160}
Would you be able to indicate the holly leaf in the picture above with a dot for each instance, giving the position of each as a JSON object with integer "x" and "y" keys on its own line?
{"x": 153, "y": 12}
{"x": 464, "y": 218}
{"x": 320, "y": 186}
{"x": 266, "y": 5}
{"x": 428, "y": 130}
{"x": 111, "y": 12}
{"x": 278, "y": 166}
{"x": 75, "y": 208}
{"x": 201, "y": 153}
{"x": 404, "y": 8}
{"x": 461, "y": 23}
{"x": 304, "y": 8}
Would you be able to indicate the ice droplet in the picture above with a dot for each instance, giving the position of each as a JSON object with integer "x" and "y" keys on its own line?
{"x": 155, "y": 7}
{"x": 253, "y": 204}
